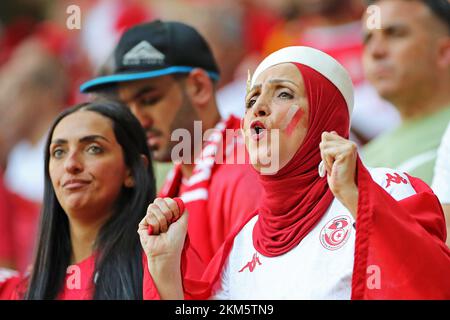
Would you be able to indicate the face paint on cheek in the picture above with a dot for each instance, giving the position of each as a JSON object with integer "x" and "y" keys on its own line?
{"x": 292, "y": 118}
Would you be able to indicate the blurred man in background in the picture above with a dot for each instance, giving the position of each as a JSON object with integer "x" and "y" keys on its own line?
{"x": 408, "y": 62}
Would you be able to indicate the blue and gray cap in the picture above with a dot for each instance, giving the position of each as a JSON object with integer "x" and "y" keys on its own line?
{"x": 155, "y": 49}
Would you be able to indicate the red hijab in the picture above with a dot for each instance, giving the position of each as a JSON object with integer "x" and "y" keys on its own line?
{"x": 296, "y": 197}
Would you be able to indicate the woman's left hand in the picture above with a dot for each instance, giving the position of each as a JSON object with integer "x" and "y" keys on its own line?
{"x": 339, "y": 158}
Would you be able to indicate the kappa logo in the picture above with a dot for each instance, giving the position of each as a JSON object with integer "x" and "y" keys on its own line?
{"x": 396, "y": 178}
{"x": 141, "y": 53}
{"x": 251, "y": 265}
{"x": 335, "y": 233}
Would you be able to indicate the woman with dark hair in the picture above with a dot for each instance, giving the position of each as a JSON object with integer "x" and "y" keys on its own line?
{"x": 98, "y": 184}
{"x": 327, "y": 227}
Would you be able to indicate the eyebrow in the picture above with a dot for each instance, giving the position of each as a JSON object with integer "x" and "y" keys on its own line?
{"x": 391, "y": 25}
{"x": 90, "y": 138}
{"x": 396, "y": 25}
{"x": 139, "y": 93}
{"x": 276, "y": 81}
{"x": 283, "y": 80}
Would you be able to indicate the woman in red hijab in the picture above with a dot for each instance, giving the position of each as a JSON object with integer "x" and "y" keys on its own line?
{"x": 327, "y": 227}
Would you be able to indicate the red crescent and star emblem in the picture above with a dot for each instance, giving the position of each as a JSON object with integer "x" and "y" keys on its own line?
{"x": 336, "y": 232}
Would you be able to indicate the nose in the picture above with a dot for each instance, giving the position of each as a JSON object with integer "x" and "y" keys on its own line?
{"x": 142, "y": 115}
{"x": 261, "y": 107}
{"x": 73, "y": 163}
{"x": 377, "y": 49}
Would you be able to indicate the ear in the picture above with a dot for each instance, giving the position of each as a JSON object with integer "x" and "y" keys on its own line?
{"x": 199, "y": 87}
{"x": 129, "y": 180}
{"x": 144, "y": 159}
{"x": 444, "y": 53}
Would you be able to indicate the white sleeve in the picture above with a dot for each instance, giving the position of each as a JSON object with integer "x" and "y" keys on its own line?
{"x": 221, "y": 288}
{"x": 395, "y": 182}
{"x": 441, "y": 178}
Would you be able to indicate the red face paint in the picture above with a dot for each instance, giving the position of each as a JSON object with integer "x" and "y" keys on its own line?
{"x": 293, "y": 123}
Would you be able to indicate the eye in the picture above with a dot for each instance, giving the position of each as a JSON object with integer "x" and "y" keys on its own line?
{"x": 94, "y": 149}
{"x": 399, "y": 31}
{"x": 57, "y": 153}
{"x": 251, "y": 102}
{"x": 367, "y": 37}
{"x": 149, "y": 100}
{"x": 285, "y": 95}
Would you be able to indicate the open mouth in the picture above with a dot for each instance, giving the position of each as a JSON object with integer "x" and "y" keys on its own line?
{"x": 258, "y": 130}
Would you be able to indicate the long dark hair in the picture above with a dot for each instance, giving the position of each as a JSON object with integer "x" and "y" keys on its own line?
{"x": 118, "y": 267}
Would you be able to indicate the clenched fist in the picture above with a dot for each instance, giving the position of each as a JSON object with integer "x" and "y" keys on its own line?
{"x": 339, "y": 158}
{"x": 163, "y": 230}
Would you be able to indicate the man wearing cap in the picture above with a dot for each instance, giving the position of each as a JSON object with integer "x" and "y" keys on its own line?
{"x": 166, "y": 74}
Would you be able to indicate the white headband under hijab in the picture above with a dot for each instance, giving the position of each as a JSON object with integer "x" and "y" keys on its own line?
{"x": 315, "y": 59}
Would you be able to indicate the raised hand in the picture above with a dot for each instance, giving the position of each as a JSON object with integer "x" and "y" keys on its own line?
{"x": 162, "y": 233}
{"x": 339, "y": 158}
{"x": 157, "y": 238}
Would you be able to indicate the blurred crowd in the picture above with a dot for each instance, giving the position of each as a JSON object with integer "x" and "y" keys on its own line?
{"x": 43, "y": 63}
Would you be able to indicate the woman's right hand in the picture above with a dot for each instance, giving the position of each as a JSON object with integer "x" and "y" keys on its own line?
{"x": 168, "y": 228}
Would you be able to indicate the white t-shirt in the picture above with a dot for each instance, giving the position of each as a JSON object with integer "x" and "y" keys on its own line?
{"x": 441, "y": 178}
{"x": 320, "y": 267}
